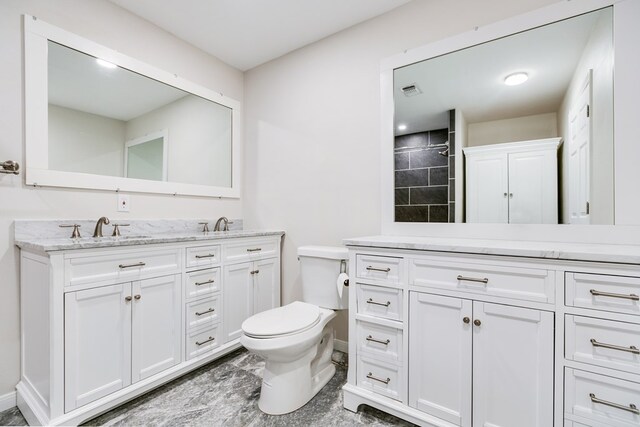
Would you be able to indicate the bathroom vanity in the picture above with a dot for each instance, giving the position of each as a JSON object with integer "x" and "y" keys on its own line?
{"x": 462, "y": 332}
{"x": 105, "y": 320}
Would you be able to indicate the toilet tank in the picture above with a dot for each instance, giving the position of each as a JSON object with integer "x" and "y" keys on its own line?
{"x": 319, "y": 268}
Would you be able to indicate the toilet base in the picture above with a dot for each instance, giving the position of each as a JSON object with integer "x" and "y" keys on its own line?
{"x": 287, "y": 386}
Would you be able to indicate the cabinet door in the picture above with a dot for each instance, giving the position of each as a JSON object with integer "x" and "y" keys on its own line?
{"x": 97, "y": 343}
{"x": 487, "y": 188}
{"x": 440, "y": 357}
{"x": 533, "y": 187}
{"x": 156, "y": 326}
{"x": 512, "y": 366}
{"x": 266, "y": 285}
{"x": 237, "y": 297}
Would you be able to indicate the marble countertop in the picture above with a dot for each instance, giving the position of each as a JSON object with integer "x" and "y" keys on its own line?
{"x": 64, "y": 244}
{"x": 625, "y": 254}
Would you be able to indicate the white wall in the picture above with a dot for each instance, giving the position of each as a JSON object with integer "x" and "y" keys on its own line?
{"x": 461, "y": 141}
{"x": 525, "y": 128}
{"x": 313, "y": 126}
{"x": 598, "y": 56}
{"x": 107, "y": 24}
{"x": 199, "y": 142}
{"x": 85, "y": 142}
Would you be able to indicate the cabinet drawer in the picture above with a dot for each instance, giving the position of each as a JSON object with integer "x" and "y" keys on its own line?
{"x": 382, "y": 342}
{"x": 375, "y": 267}
{"x": 118, "y": 266}
{"x": 606, "y": 343}
{"x": 203, "y": 256}
{"x": 247, "y": 251}
{"x": 605, "y": 400}
{"x": 202, "y": 341}
{"x": 602, "y": 292}
{"x": 202, "y": 282}
{"x": 203, "y": 312}
{"x": 509, "y": 282}
{"x": 383, "y": 378}
{"x": 380, "y": 301}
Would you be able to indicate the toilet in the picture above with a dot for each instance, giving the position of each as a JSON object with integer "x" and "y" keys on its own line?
{"x": 296, "y": 340}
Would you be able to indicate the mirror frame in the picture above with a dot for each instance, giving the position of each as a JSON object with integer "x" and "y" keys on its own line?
{"x": 625, "y": 129}
{"x": 36, "y": 36}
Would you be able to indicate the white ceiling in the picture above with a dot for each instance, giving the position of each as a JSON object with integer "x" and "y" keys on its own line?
{"x": 247, "y": 33}
{"x": 472, "y": 80}
{"x": 78, "y": 82}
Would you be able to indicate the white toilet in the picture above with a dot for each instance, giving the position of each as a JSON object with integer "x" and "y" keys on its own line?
{"x": 296, "y": 340}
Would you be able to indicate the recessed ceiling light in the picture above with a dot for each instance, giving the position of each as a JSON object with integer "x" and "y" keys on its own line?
{"x": 516, "y": 79}
{"x": 106, "y": 64}
{"x": 402, "y": 127}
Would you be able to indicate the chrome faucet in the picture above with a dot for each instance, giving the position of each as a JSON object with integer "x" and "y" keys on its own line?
{"x": 98, "y": 230}
{"x": 219, "y": 223}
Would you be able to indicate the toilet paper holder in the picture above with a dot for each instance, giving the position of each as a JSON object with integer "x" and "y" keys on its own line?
{"x": 343, "y": 269}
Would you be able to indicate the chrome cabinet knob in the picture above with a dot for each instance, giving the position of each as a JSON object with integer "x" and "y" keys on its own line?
{"x": 466, "y": 320}
{"x": 477, "y": 322}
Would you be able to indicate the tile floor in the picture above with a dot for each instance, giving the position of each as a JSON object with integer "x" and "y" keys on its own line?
{"x": 225, "y": 393}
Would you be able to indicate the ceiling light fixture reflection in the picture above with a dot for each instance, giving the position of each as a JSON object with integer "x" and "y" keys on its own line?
{"x": 106, "y": 64}
{"x": 516, "y": 79}
{"x": 402, "y": 127}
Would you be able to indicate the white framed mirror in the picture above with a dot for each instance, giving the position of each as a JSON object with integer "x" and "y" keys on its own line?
{"x": 98, "y": 119}
{"x": 435, "y": 126}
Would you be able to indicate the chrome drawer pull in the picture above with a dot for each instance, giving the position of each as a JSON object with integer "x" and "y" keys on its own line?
{"x": 211, "y": 310}
{"x": 254, "y": 250}
{"x": 206, "y": 256}
{"x": 473, "y": 279}
{"x": 631, "y": 408}
{"x": 632, "y": 297}
{"x": 204, "y": 283}
{"x": 370, "y": 338}
{"x": 206, "y": 341}
{"x": 371, "y": 377}
{"x": 384, "y": 270}
{"x": 384, "y": 304}
{"x": 631, "y": 349}
{"x": 140, "y": 264}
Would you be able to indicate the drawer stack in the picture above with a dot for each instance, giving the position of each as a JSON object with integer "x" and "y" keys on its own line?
{"x": 203, "y": 305}
{"x": 602, "y": 334}
{"x": 380, "y": 325}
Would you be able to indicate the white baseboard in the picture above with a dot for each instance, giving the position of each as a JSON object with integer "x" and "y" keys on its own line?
{"x": 340, "y": 345}
{"x": 7, "y": 401}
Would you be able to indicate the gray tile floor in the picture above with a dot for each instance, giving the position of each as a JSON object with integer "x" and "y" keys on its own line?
{"x": 225, "y": 393}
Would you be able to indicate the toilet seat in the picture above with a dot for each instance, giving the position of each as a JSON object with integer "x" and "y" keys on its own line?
{"x": 287, "y": 320}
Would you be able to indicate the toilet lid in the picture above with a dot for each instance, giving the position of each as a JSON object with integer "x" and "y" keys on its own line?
{"x": 286, "y": 320}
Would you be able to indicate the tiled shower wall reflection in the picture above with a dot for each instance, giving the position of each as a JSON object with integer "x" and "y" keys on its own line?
{"x": 452, "y": 166}
{"x": 423, "y": 177}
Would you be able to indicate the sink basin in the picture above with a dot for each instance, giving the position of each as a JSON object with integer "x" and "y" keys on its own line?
{"x": 110, "y": 238}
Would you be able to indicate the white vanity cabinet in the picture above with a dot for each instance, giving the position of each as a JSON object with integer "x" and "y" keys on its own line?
{"x": 446, "y": 333}
{"x": 250, "y": 284}
{"x": 501, "y": 353}
{"x": 103, "y": 325}
{"x": 118, "y": 335}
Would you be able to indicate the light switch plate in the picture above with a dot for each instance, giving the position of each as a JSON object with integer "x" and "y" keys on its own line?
{"x": 123, "y": 203}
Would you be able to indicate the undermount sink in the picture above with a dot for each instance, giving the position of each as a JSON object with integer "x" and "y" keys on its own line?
{"x": 112, "y": 238}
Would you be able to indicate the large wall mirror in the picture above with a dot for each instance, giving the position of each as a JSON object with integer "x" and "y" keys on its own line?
{"x": 516, "y": 130}
{"x": 98, "y": 119}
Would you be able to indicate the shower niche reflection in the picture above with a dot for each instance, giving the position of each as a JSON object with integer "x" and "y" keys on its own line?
{"x": 515, "y": 130}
